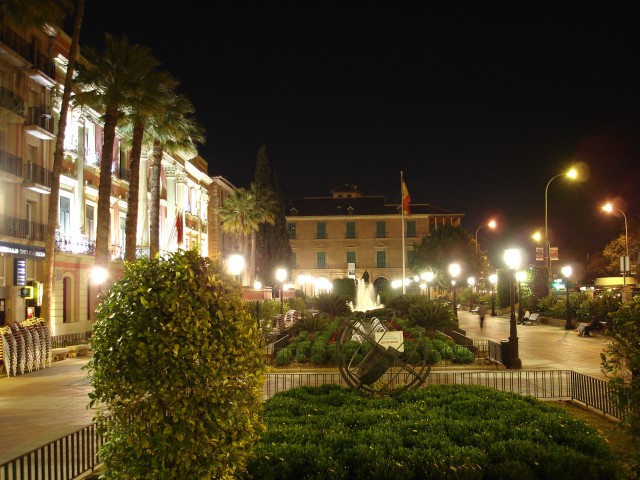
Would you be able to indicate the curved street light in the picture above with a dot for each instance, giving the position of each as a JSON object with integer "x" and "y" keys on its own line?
{"x": 492, "y": 224}
{"x": 281, "y": 276}
{"x": 572, "y": 174}
{"x": 608, "y": 207}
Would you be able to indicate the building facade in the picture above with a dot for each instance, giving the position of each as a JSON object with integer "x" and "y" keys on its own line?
{"x": 346, "y": 233}
{"x": 32, "y": 70}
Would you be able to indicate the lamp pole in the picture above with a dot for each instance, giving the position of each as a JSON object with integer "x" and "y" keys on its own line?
{"x": 512, "y": 259}
{"x": 566, "y": 273}
{"x": 281, "y": 276}
{"x": 520, "y": 277}
{"x": 493, "y": 279}
{"x": 570, "y": 174}
{"x": 454, "y": 271}
{"x": 608, "y": 207}
{"x": 471, "y": 281}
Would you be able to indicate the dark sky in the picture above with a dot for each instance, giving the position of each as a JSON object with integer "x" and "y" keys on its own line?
{"x": 480, "y": 104}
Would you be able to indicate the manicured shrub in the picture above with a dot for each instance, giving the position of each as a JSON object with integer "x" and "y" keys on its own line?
{"x": 177, "y": 371}
{"x": 284, "y": 357}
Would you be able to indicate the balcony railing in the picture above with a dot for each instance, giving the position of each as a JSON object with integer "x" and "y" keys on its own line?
{"x": 11, "y": 101}
{"x": 41, "y": 118}
{"x": 22, "y": 228}
{"x": 79, "y": 244}
{"x": 14, "y": 41}
{"x": 10, "y": 164}
{"x": 37, "y": 174}
{"x": 45, "y": 65}
{"x": 116, "y": 251}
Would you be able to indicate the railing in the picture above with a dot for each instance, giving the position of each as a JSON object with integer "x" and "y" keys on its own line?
{"x": 11, "y": 101}
{"x": 22, "y": 228}
{"x": 40, "y": 117}
{"x": 70, "y": 339}
{"x": 10, "y": 163}
{"x": 38, "y": 175}
{"x": 45, "y": 65}
{"x": 15, "y": 42}
{"x": 75, "y": 244}
{"x": 77, "y": 453}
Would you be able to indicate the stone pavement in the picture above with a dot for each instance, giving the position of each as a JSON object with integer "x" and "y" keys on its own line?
{"x": 44, "y": 405}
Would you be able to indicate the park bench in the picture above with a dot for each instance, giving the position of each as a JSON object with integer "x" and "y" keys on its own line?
{"x": 475, "y": 310}
{"x": 531, "y": 319}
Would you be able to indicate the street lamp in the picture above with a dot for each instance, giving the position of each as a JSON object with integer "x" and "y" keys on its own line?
{"x": 521, "y": 276}
{"x": 608, "y": 207}
{"x": 492, "y": 224}
{"x": 572, "y": 174}
{"x": 471, "y": 281}
{"x": 257, "y": 285}
{"x": 512, "y": 259}
{"x": 235, "y": 265}
{"x": 454, "y": 271}
{"x": 281, "y": 276}
{"x": 566, "y": 273}
{"x": 493, "y": 279}
{"x": 427, "y": 277}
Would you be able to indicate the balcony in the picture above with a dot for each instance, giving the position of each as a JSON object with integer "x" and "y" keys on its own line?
{"x": 79, "y": 244}
{"x": 43, "y": 70}
{"x": 39, "y": 123}
{"x": 10, "y": 167}
{"x": 15, "y": 49}
{"x": 22, "y": 228}
{"x": 37, "y": 178}
{"x": 11, "y": 106}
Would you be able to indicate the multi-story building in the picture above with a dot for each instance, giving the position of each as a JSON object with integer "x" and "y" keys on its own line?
{"x": 32, "y": 70}
{"x": 347, "y": 233}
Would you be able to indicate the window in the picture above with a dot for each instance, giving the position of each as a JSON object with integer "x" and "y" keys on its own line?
{"x": 123, "y": 235}
{"x": 411, "y": 228}
{"x": 381, "y": 259}
{"x": 291, "y": 231}
{"x": 381, "y": 229}
{"x": 351, "y": 229}
{"x": 89, "y": 223}
{"x": 321, "y": 230}
{"x": 321, "y": 260}
{"x": 65, "y": 216}
{"x": 351, "y": 257}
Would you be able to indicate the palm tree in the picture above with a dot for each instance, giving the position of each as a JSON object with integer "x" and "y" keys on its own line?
{"x": 147, "y": 106}
{"x": 243, "y": 213}
{"x": 106, "y": 83}
{"x": 176, "y": 133}
{"x": 38, "y": 13}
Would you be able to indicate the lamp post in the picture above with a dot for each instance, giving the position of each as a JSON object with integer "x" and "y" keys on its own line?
{"x": 281, "y": 276}
{"x": 471, "y": 281}
{"x": 520, "y": 277}
{"x": 257, "y": 285}
{"x": 512, "y": 259}
{"x": 492, "y": 224}
{"x": 454, "y": 271}
{"x": 427, "y": 277}
{"x": 572, "y": 174}
{"x": 566, "y": 273}
{"x": 235, "y": 265}
{"x": 493, "y": 279}
{"x": 608, "y": 207}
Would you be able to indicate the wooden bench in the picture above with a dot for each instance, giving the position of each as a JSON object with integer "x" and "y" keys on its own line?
{"x": 531, "y": 319}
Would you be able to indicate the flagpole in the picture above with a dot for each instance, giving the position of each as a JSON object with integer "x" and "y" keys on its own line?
{"x": 404, "y": 288}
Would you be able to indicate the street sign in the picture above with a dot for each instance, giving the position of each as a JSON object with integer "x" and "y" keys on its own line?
{"x": 539, "y": 254}
{"x": 553, "y": 253}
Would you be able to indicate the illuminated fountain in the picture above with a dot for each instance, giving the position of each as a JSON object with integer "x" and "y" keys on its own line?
{"x": 366, "y": 298}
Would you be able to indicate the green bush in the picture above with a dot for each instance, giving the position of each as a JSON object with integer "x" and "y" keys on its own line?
{"x": 284, "y": 357}
{"x": 177, "y": 371}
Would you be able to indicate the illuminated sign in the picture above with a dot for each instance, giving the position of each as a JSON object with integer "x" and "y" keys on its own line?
{"x": 26, "y": 250}
{"x": 19, "y": 272}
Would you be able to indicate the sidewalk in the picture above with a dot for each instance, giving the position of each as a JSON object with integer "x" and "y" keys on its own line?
{"x": 44, "y": 405}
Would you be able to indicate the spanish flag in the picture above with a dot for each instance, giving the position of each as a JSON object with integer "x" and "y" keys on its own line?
{"x": 406, "y": 199}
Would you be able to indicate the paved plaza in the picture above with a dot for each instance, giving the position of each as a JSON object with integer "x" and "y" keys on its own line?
{"x": 44, "y": 405}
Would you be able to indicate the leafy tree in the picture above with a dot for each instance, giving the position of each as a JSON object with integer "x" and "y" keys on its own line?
{"x": 177, "y": 371}
{"x": 243, "y": 213}
{"x": 273, "y": 248}
{"x": 621, "y": 362}
{"x": 36, "y": 13}
{"x": 442, "y": 247}
{"x": 106, "y": 82}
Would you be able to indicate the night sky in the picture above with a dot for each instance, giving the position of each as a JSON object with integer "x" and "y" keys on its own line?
{"x": 480, "y": 104}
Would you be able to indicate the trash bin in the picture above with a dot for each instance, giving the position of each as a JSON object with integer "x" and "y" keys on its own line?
{"x": 504, "y": 352}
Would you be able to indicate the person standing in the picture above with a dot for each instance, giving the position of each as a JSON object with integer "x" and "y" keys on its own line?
{"x": 482, "y": 311}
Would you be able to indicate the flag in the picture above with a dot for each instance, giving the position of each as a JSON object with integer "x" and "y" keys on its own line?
{"x": 406, "y": 199}
{"x": 179, "y": 228}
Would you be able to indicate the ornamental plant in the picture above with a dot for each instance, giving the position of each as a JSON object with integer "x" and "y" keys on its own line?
{"x": 177, "y": 371}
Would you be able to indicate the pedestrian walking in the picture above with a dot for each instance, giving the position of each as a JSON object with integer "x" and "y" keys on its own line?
{"x": 482, "y": 311}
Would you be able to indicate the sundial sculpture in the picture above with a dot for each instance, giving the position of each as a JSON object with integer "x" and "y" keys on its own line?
{"x": 369, "y": 354}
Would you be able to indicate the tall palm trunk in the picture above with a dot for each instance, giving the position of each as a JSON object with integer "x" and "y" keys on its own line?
{"x": 104, "y": 190}
{"x": 134, "y": 188}
{"x": 52, "y": 216}
{"x": 154, "y": 208}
